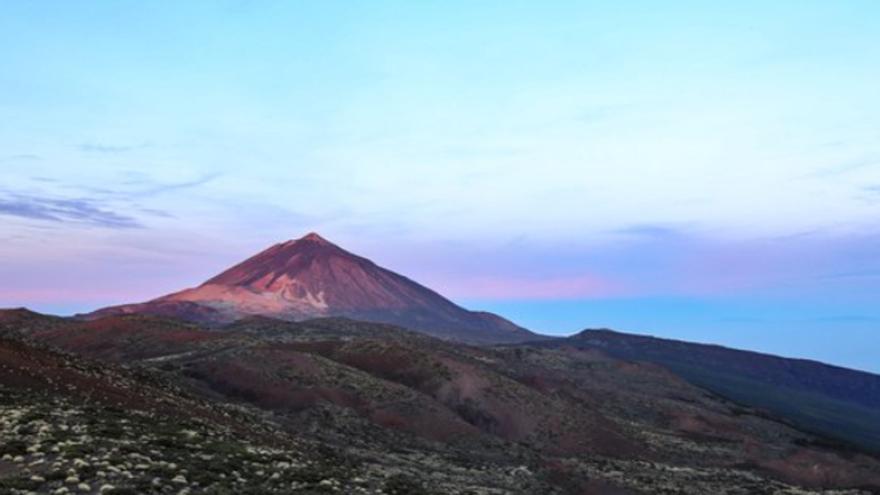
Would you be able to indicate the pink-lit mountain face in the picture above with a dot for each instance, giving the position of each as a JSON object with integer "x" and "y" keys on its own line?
{"x": 312, "y": 277}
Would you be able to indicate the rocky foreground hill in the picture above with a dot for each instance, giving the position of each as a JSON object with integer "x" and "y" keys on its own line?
{"x": 145, "y": 404}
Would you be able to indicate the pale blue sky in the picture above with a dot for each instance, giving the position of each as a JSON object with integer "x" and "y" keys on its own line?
{"x": 679, "y": 168}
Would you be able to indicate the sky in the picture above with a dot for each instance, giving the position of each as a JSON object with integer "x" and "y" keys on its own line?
{"x": 683, "y": 169}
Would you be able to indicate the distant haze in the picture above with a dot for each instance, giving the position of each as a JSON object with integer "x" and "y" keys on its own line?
{"x": 700, "y": 171}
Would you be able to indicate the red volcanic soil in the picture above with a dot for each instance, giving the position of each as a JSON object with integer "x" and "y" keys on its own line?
{"x": 33, "y": 369}
{"x": 502, "y": 406}
{"x": 560, "y": 404}
{"x": 281, "y": 378}
{"x": 129, "y": 337}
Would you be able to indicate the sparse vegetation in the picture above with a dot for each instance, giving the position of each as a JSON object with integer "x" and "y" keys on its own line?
{"x": 336, "y": 406}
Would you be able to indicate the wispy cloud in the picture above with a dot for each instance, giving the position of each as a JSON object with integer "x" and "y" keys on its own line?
{"x": 869, "y": 273}
{"x": 108, "y": 148}
{"x": 850, "y": 166}
{"x": 157, "y": 213}
{"x": 741, "y": 319}
{"x": 21, "y": 157}
{"x": 149, "y": 187}
{"x": 870, "y": 194}
{"x": 140, "y": 186}
{"x": 512, "y": 288}
{"x": 656, "y": 231}
{"x": 599, "y": 113}
{"x": 845, "y": 319}
{"x": 65, "y": 210}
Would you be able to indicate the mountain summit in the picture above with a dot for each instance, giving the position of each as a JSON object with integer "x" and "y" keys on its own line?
{"x": 312, "y": 277}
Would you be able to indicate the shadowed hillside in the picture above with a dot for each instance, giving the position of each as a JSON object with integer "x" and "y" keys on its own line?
{"x": 836, "y": 402}
{"x": 450, "y": 417}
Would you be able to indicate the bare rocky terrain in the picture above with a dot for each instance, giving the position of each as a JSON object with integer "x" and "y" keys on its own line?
{"x": 143, "y": 404}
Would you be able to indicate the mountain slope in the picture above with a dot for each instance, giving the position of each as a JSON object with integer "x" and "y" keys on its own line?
{"x": 136, "y": 429}
{"x": 837, "y": 402}
{"x": 312, "y": 277}
{"x": 524, "y": 418}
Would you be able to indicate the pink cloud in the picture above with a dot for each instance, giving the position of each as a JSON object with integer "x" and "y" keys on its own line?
{"x": 495, "y": 287}
{"x": 18, "y": 297}
{"x": 67, "y": 301}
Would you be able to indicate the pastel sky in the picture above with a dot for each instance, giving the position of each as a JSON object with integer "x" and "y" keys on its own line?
{"x": 685, "y": 169}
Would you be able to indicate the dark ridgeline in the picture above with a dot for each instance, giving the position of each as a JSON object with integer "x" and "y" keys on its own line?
{"x": 834, "y": 401}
